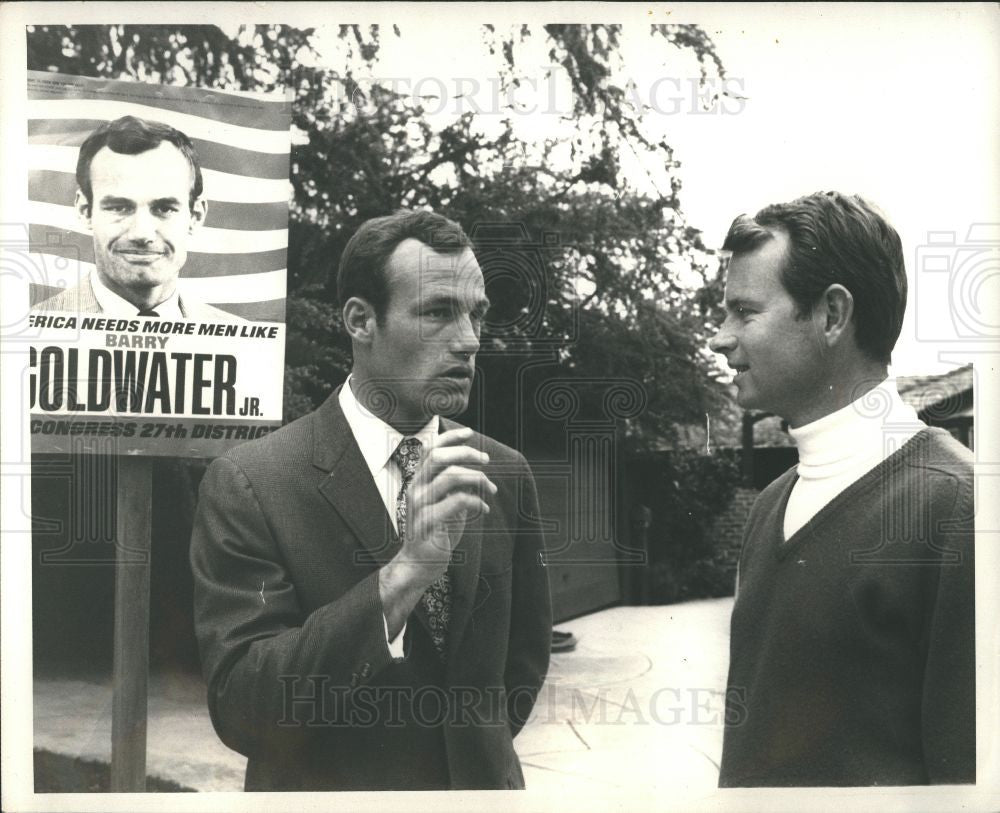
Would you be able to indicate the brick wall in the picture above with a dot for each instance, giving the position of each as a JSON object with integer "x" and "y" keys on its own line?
{"x": 727, "y": 532}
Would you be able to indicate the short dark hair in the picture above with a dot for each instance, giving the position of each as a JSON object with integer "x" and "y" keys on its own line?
{"x": 836, "y": 239}
{"x": 130, "y": 135}
{"x": 362, "y": 271}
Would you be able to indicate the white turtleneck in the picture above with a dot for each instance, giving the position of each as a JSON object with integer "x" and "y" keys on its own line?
{"x": 838, "y": 448}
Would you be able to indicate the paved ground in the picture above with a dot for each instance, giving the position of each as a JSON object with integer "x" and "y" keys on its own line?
{"x": 640, "y": 698}
{"x": 74, "y": 717}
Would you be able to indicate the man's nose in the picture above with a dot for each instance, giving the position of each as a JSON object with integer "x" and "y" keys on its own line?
{"x": 723, "y": 341}
{"x": 142, "y": 226}
{"x": 466, "y": 339}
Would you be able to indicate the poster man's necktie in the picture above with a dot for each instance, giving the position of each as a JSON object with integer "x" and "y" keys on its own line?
{"x": 436, "y": 598}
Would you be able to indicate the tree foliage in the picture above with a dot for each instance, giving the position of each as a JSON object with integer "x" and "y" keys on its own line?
{"x": 685, "y": 491}
{"x": 592, "y": 278}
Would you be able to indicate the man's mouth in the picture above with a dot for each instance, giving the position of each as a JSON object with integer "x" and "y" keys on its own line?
{"x": 740, "y": 368}
{"x": 462, "y": 373}
{"x": 138, "y": 255}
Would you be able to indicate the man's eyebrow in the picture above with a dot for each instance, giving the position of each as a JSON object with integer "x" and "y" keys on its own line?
{"x": 438, "y": 299}
{"x": 114, "y": 199}
{"x": 732, "y": 303}
{"x": 452, "y": 301}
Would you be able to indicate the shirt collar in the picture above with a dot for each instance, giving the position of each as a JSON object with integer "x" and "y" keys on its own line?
{"x": 376, "y": 439}
{"x": 855, "y": 429}
{"x": 115, "y": 305}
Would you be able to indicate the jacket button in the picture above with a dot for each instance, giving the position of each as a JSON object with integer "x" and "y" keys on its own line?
{"x": 366, "y": 670}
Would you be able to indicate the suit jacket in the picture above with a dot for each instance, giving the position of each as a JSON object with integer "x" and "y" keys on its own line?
{"x": 81, "y": 299}
{"x": 289, "y": 535}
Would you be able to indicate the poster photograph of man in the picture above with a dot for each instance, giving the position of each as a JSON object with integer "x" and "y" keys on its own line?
{"x": 429, "y": 406}
{"x": 140, "y": 195}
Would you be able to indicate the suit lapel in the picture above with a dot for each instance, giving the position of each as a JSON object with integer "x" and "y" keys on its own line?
{"x": 348, "y": 485}
{"x": 87, "y": 298}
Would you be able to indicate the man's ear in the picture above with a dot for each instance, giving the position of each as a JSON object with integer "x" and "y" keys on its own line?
{"x": 199, "y": 211}
{"x": 83, "y": 209}
{"x": 836, "y": 309}
{"x": 359, "y": 320}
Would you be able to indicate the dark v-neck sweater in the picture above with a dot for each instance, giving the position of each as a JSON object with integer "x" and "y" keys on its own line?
{"x": 852, "y": 652}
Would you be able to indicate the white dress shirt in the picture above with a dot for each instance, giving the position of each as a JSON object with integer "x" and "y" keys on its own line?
{"x": 114, "y": 305}
{"x": 837, "y": 449}
{"x": 377, "y": 441}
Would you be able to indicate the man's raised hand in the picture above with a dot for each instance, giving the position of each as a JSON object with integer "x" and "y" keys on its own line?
{"x": 448, "y": 487}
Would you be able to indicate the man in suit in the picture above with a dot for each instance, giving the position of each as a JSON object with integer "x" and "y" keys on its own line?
{"x": 140, "y": 195}
{"x": 852, "y": 646}
{"x": 371, "y": 604}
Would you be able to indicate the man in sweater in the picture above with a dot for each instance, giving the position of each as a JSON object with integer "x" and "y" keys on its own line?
{"x": 852, "y": 653}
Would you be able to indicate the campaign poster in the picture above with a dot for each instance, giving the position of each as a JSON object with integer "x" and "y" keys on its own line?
{"x": 202, "y": 372}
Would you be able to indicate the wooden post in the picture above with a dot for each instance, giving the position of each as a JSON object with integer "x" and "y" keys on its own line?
{"x": 641, "y": 519}
{"x": 131, "y": 635}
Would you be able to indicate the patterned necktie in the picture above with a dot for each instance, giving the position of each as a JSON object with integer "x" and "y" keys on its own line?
{"x": 436, "y": 598}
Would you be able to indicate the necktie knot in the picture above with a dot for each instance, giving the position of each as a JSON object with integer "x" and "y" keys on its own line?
{"x": 407, "y": 456}
{"x": 147, "y": 312}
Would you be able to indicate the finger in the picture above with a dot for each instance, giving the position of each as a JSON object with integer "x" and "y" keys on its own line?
{"x": 456, "y": 507}
{"x": 448, "y": 482}
{"x": 459, "y": 502}
{"x": 453, "y": 437}
{"x": 438, "y": 459}
{"x": 455, "y": 454}
{"x": 455, "y": 478}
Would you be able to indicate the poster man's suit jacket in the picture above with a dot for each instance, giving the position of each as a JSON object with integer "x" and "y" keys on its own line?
{"x": 289, "y": 535}
{"x": 82, "y": 299}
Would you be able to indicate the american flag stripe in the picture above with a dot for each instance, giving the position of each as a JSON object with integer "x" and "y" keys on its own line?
{"x": 255, "y": 311}
{"x": 239, "y": 287}
{"x": 221, "y": 185}
{"x": 47, "y": 186}
{"x": 192, "y": 125}
{"x": 261, "y": 111}
{"x": 238, "y": 259}
{"x": 211, "y": 155}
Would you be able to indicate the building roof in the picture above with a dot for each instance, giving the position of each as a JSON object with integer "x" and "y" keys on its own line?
{"x": 931, "y": 392}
